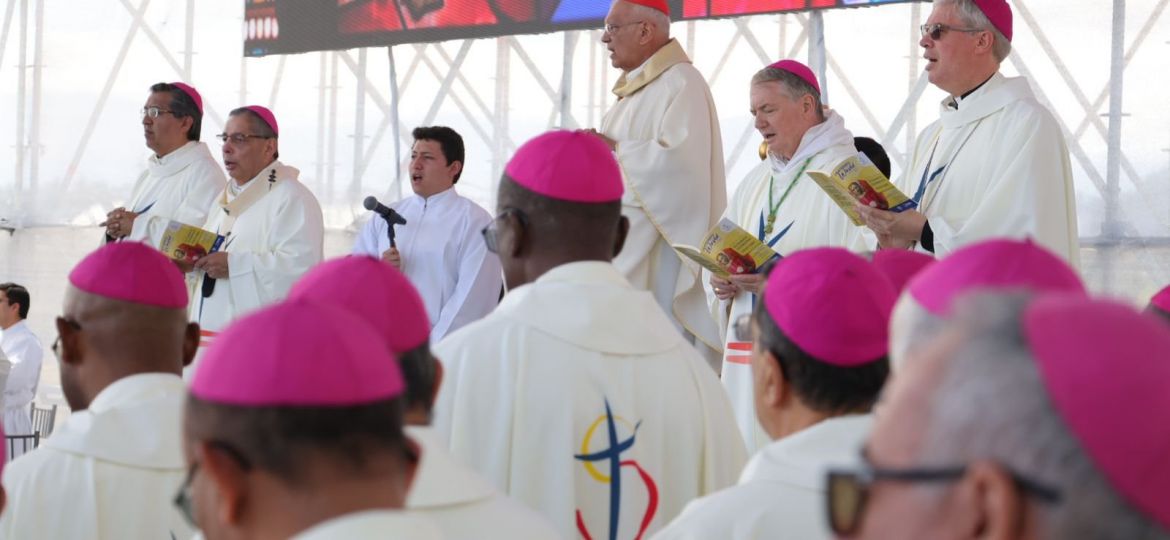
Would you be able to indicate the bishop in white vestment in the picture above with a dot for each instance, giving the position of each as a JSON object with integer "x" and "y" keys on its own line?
{"x": 665, "y": 132}
{"x": 110, "y": 471}
{"x": 995, "y": 164}
{"x": 577, "y": 395}
{"x": 819, "y": 357}
{"x": 181, "y": 178}
{"x": 783, "y": 207}
{"x": 273, "y": 226}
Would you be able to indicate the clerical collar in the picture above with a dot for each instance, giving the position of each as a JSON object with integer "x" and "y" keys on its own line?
{"x": 438, "y": 196}
{"x": 170, "y": 156}
{"x": 954, "y": 104}
{"x": 637, "y": 71}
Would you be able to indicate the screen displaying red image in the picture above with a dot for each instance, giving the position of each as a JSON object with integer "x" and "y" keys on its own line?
{"x": 290, "y": 26}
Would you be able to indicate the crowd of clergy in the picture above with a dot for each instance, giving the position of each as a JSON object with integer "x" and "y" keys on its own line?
{"x": 556, "y": 370}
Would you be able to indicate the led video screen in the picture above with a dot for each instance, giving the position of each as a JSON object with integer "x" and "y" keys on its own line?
{"x": 291, "y": 26}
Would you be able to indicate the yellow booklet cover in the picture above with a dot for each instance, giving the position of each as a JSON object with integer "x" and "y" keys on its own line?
{"x": 186, "y": 243}
{"x": 858, "y": 180}
{"x": 728, "y": 249}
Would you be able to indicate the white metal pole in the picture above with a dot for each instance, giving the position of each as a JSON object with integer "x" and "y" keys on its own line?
{"x": 1112, "y": 229}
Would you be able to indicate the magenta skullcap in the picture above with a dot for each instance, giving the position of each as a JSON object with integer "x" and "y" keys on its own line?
{"x": 376, "y": 292}
{"x": 298, "y": 353}
{"x": 132, "y": 272}
{"x": 992, "y": 264}
{"x": 1106, "y": 368}
{"x": 832, "y": 304}
{"x": 192, "y": 93}
{"x": 900, "y": 265}
{"x": 800, "y": 70}
{"x": 267, "y": 116}
{"x": 571, "y": 166}
{"x": 1000, "y": 15}
{"x": 1162, "y": 299}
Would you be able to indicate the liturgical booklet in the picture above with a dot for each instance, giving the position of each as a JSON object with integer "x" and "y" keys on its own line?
{"x": 858, "y": 180}
{"x": 186, "y": 243}
{"x": 728, "y": 249}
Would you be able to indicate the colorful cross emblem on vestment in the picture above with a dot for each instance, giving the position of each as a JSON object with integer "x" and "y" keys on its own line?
{"x": 611, "y": 456}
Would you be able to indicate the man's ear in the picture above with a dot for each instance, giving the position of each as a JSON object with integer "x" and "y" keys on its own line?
{"x": 190, "y": 343}
{"x": 186, "y": 124}
{"x": 623, "y": 230}
{"x": 995, "y": 507}
{"x": 456, "y": 167}
{"x": 228, "y": 478}
{"x": 72, "y": 348}
{"x": 512, "y": 236}
{"x": 774, "y": 387}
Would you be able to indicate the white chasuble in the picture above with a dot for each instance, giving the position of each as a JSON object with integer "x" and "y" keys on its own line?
{"x": 671, "y": 155}
{"x": 578, "y": 397}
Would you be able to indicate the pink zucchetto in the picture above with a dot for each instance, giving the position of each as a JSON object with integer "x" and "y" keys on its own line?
{"x": 299, "y": 353}
{"x": 999, "y": 13}
{"x": 1106, "y": 368}
{"x": 192, "y": 93}
{"x": 900, "y": 265}
{"x": 267, "y": 116}
{"x": 132, "y": 272}
{"x": 659, "y": 5}
{"x": 1162, "y": 300}
{"x": 992, "y": 264}
{"x": 376, "y": 292}
{"x": 570, "y": 166}
{"x": 800, "y": 70}
{"x": 832, "y": 304}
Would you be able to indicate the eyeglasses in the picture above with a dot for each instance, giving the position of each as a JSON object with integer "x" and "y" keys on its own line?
{"x": 936, "y": 30}
{"x": 238, "y": 138}
{"x": 184, "y": 500}
{"x": 847, "y": 491}
{"x": 491, "y": 231}
{"x": 57, "y": 342}
{"x": 611, "y": 29}
{"x": 153, "y": 112}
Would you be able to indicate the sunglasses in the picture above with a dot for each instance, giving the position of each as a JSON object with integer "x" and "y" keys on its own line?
{"x": 936, "y": 30}
{"x": 847, "y": 490}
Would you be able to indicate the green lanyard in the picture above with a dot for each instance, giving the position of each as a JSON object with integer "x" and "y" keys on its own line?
{"x": 772, "y": 210}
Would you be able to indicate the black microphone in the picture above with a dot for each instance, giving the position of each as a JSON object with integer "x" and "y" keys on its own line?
{"x": 392, "y": 217}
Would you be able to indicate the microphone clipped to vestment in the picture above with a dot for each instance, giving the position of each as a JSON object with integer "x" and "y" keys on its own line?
{"x": 392, "y": 218}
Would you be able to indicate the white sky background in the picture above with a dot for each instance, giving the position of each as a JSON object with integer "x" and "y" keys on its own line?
{"x": 871, "y": 45}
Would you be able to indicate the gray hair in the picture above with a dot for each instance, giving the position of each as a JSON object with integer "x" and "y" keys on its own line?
{"x": 992, "y": 404}
{"x": 657, "y": 19}
{"x": 795, "y": 86}
{"x": 973, "y": 17}
{"x": 910, "y": 326}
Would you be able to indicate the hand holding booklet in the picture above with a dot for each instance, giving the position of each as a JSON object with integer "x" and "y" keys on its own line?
{"x": 186, "y": 244}
{"x": 729, "y": 250}
{"x": 857, "y": 180}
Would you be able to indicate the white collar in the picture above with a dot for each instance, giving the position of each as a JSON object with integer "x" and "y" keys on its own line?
{"x": 439, "y": 197}
{"x": 816, "y": 139}
{"x": 373, "y": 524}
{"x": 440, "y": 480}
{"x": 802, "y": 457}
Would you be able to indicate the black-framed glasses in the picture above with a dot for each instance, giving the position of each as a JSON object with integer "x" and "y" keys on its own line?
{"x": 936, "y": 30}
{"x": 57, "y": 342}
{"x": 184, "y": 501}
{"x": 491, "y": 231}
{"x": 611, "y": 29}
{"x": 238, "y": 138}
{"x": 847, "y": 490}
{"x": 153, "y": 112}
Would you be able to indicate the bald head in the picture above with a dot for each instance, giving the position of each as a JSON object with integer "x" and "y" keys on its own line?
{"x": 104, "y": 339}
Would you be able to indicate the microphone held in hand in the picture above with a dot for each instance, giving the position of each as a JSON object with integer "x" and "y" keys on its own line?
{"x": 392, "y": 218}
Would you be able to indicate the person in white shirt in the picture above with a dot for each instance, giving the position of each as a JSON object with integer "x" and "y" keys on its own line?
{"x": 109, "y": 471}
{"x": 577, "y": 395}
{"x": 24, "y": 351}
{"x": 462, "y": 503}
{"x": 783, "y": 207}
{"x": 664, "y": 130}
{"x": 996, "y": 163}
{"x": 280, "y": 444}
{"x": 439, "y": 248}
{"x": 181, "y": 178}
{"x": 819, "y": 360}
{"x": 272, "y": 223}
